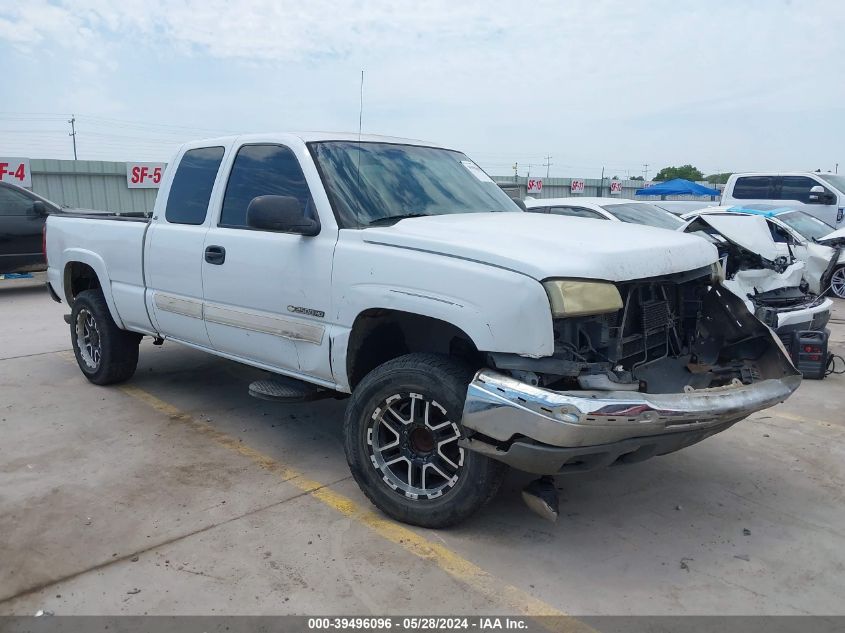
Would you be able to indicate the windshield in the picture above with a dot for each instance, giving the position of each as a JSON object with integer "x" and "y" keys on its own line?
{"x": 809, "y": 227}
{"x": 375, "y": 182}
{"x": 834, "y": 179}
{"x": 644, "y": 213}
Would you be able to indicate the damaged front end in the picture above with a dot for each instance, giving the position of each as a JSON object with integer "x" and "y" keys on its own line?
{"x": 771, "y": 284}
{"x": 681, "y": 360}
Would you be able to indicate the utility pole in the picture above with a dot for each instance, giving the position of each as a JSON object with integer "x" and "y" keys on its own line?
{"x": 547, "y": 164}
{"x": 645, "y": 171}
{"x": 601, "y": 186}
{"x": 515, "y": 171}
{"x": 72, "y": 134}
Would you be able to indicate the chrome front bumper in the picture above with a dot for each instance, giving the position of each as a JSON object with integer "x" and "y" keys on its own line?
{"x": 540, "y": 427}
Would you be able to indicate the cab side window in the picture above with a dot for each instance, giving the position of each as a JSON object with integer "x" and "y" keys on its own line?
{"x": 577, "y": 212}
{"x": 13, "y": 202}
{"x": 190, "y": 192}
{"x": 754, "y": 188}
{"x": 796, "y": 188}
{"x": 262, "y": 170}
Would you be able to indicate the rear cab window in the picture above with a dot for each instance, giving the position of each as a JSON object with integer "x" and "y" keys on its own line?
{"x": 754, "y": 188}
{"x": 190, "y": 192}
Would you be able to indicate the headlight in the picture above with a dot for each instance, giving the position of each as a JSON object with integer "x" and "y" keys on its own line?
{"x": 576, "y": 298}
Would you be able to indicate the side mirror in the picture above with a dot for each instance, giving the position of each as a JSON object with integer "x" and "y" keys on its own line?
{"x": 283, "y": 214}
{"x": 818, "y": 195}
{"x": 38, "y": 209}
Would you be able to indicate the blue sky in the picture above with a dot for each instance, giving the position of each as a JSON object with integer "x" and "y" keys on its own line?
{"x": 723, "y": 85}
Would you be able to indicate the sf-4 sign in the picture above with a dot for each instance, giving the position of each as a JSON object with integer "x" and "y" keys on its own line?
{"x": 144, "y": 175}
{"x": 15, "y": 171}
{"x": 535, "y": 185}
{"x": 577, "y": 186}
{"x": 615, "y": 186}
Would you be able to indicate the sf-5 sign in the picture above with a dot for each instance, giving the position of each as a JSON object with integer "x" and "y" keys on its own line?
{"x": 144, "y": 175}
{"x": 15, "y": 171}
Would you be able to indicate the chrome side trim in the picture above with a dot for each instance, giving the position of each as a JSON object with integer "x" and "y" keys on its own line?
{"x": 266, "y": 323}
{"x": 179, "y": 305}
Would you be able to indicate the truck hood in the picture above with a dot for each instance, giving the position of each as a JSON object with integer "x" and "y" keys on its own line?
{"x": 543, "y": 246}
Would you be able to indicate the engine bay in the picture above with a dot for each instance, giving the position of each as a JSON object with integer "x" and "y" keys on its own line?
{"x": 673, "y": 334}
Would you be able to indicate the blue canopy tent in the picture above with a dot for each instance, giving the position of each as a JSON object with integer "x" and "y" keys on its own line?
{"x": 678, "y": 187}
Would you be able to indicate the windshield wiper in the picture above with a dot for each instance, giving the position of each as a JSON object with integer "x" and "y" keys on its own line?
{"x": 396, "y": 218}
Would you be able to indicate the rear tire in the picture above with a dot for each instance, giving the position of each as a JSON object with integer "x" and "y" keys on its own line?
{"x": 401, "y": 433}
{"x": 105, "y": 353}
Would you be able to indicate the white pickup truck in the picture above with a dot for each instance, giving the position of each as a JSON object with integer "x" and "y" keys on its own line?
{"x": 470, "y": 335}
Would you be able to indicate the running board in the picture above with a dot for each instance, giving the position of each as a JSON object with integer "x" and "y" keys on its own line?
{"x": 284, "y": 389}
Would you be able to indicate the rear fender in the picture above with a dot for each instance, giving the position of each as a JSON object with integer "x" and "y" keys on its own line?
{"x": 97, "y": 263}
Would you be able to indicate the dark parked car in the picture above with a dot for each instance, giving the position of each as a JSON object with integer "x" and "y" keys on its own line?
{"x": 22, "y": 217}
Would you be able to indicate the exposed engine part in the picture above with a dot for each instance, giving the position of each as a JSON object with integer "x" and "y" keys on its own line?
{"x": 602, "y": 382}
{"x": 670, "y": 334}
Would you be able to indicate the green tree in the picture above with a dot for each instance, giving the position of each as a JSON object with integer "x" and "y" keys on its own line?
{"x": 687, "y": 172}
{"x": 637, "y": 178}
{"x": 718, "y": 179}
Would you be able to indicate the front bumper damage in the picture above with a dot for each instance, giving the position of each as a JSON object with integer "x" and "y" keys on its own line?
{"x": 561, "y": 432}
{"x": 543, "y": 431}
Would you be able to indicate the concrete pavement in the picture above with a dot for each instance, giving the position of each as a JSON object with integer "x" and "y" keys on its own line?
{"x": 180, "y": 494}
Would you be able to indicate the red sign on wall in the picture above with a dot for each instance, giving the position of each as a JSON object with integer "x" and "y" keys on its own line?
{"x": 15, "y": 171}
{"x": 616, "y": 186}
{"x": 144, "y": 175}
{"x": 535, "y": 185}
{"x": 577, "y": 186}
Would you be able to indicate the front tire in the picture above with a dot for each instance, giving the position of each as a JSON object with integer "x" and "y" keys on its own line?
{"x": 105, "y": 353}
{"x": 837, "y": 282}
{"x": 401, "y": 433}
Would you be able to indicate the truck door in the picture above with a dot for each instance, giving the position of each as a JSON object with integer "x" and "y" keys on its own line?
{"x": 174, "y": 247}
{"x": 796, "y": 189}
{"x": 20, "y": 231}
{"x": 267, "y": 293}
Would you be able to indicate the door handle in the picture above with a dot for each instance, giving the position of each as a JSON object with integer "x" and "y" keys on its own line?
{"x": 215, "y": 255}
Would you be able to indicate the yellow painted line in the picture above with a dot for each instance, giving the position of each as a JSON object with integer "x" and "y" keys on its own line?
{"x": 459, "y": 568}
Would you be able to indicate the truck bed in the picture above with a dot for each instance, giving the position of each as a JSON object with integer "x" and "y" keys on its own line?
{"x": 113, "y": 245}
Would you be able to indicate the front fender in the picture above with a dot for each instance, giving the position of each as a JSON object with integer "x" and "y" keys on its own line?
{"x": 500, "y": 310}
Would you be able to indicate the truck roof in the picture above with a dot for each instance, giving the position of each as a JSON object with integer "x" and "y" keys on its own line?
{"x": 308, "y": 137}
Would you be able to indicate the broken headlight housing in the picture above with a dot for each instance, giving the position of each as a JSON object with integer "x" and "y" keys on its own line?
{"x": 569, "y": 297}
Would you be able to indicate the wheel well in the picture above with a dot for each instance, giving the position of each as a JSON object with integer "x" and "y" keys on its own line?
{"x": 79, "y": 277}
{"x": 379, "y": 335}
